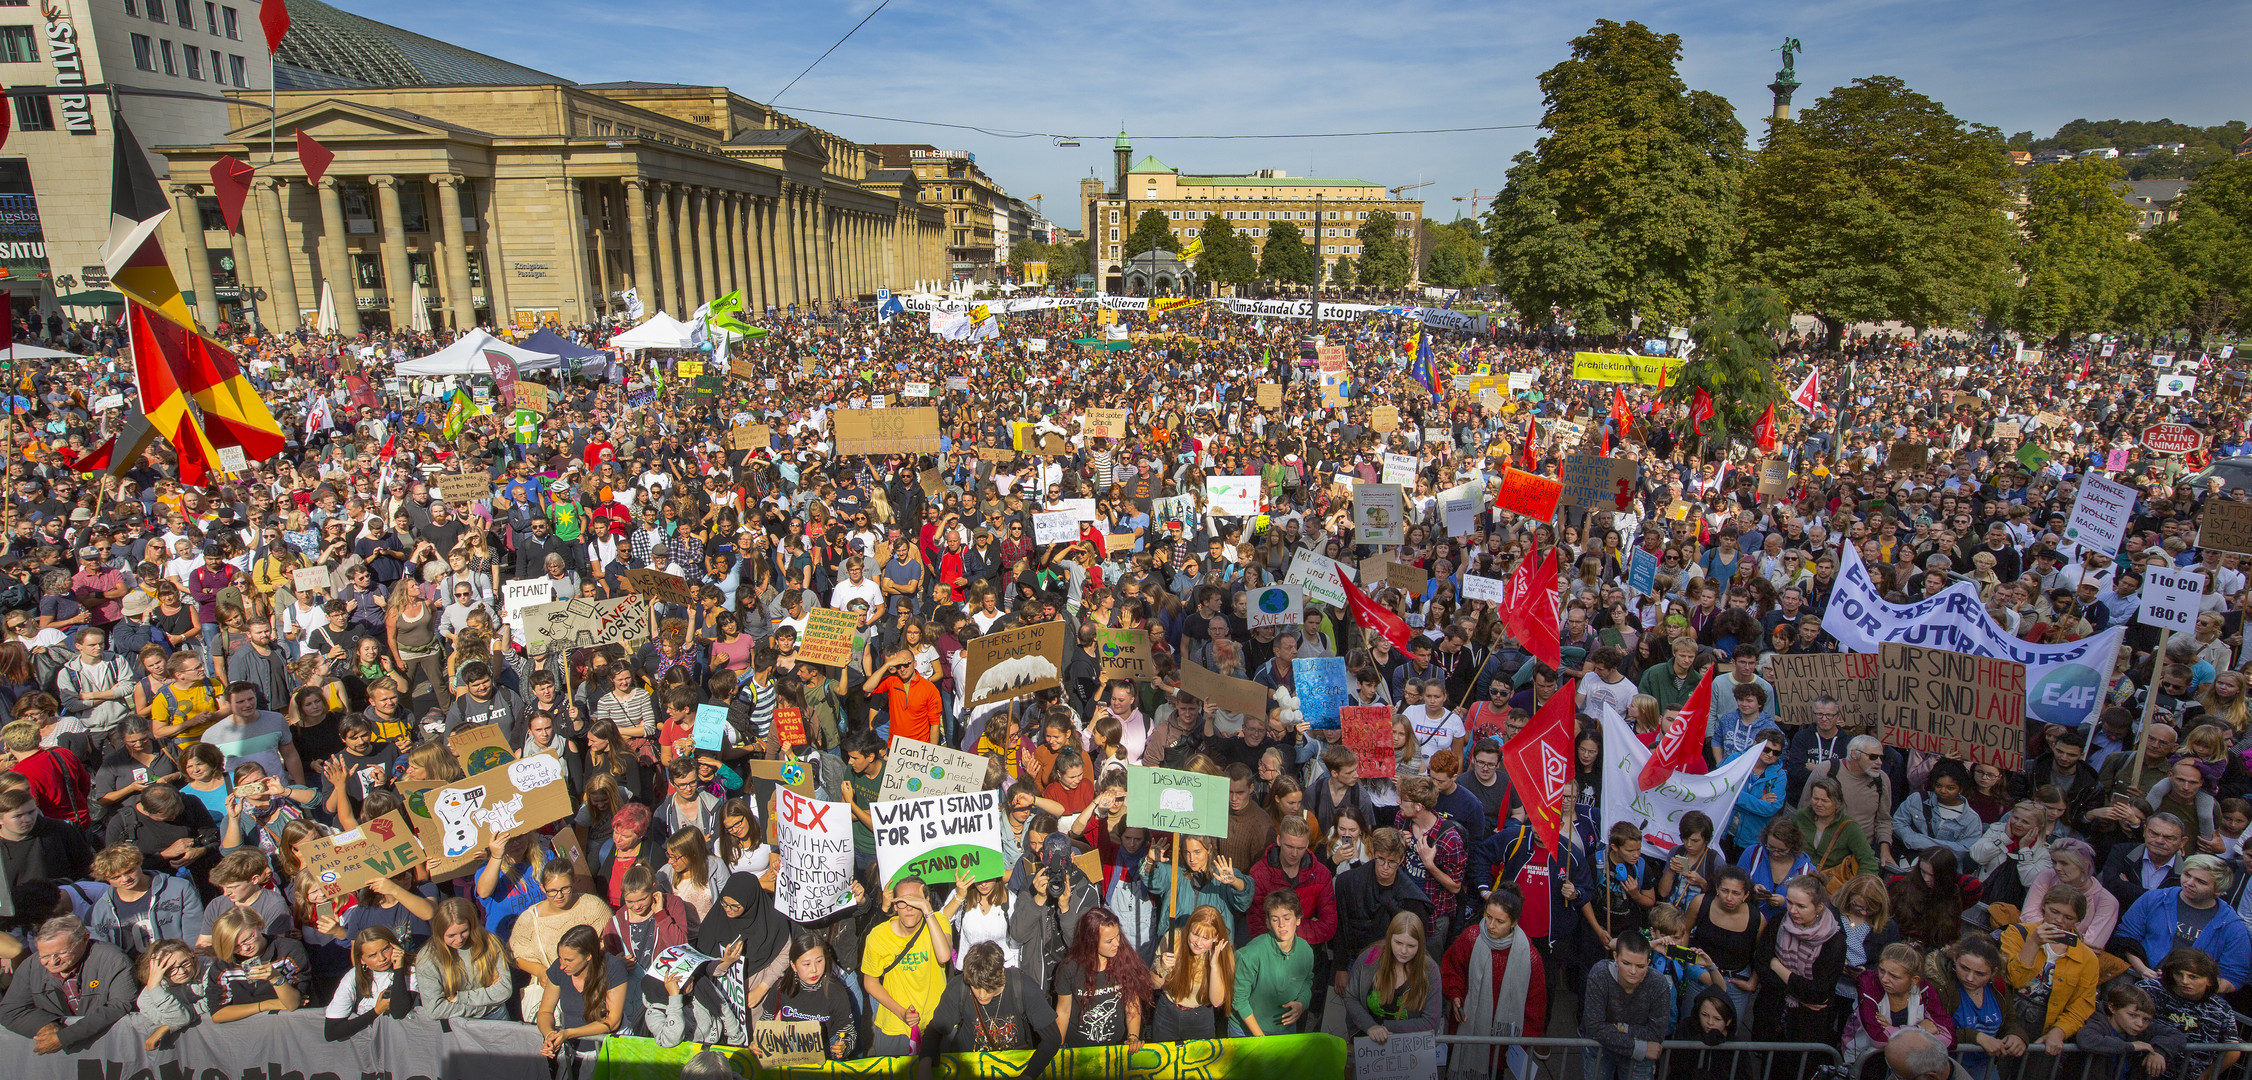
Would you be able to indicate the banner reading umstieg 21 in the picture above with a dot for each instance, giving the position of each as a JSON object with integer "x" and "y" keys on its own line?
{"x": 2064, "y": 683}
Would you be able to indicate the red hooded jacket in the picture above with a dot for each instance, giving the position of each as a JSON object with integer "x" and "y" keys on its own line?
{"x": 1317, "y": 895}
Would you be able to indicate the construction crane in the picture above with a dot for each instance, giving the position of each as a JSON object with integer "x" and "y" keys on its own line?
{"x": 1474, "y": 198}
{"x": 1409, "y": 187}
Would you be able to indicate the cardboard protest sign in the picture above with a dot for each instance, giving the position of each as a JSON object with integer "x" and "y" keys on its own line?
{"x": 1957, "y": 705}
{"x": 1105, "y": 423}
{"x": 659, "y": 586}
{"x": 580, "y": 623}
{"x": 348, "y": 860}
{"x": 1223, "y": 692}
{"x": 886, "y": 431}
{"x": 792, "y": 775}
{"x": 776, "y": 1043}
{"x": 1384, "y": 418}
{"x": 1171, "y": 800}
{"x": 462, "y": 487}
{"x": 828, "y": 637}
{"x": 2226, "y": 526}
{"x": 1774, "y": 477}
{"x": 455, "y": 821}
{"x": 1275, "y": 605}
{"x": 915, "y": 769}
{"x": 1850, "y": 678}
{"x": 1907, "y": 455}
{"x": 1407, "y": 577}
{"x": 533, "y": 396}
{"x": 309, "y": 579}
{"x": 480, "y": 747}
{"x": 1528, "y": 494}
{"x": 1320, "y": 683}
{"x": 1368, "y": 733}
{"x": 1592, "y": 482}
{"x": 1270, "y": 395}
{"x": 933, "y": 482}
{"x": 750, "y": 437}
{"x": 936, "y": 838}
{"x": 1124, "y": 654}
{"x": 2008, "y": 429}
{"x": 1015, "y": 663}
{"x": 813, "y": 840}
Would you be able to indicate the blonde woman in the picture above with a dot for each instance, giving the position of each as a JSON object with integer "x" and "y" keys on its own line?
{"x": 1195, "y": 969}
{"x": 692, "y": 872}
{"x": 463, "y": 970}
{"x": 1394, "y": 986}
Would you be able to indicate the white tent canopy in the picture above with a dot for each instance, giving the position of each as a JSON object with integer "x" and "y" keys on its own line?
{"x": 24, "y": 350}
{"x": 467, "y": 357}
{"x": 661, "y": 331}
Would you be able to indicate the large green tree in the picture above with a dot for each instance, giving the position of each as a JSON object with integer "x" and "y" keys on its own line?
{"x": 1625, "y": 210}
{"x": 1287, "y": 257}
{"x": 2074, "y": 256}
{"x": 1341, "y": 271}
{"x": 1737, "y": 337}
{"x": 1458, "y": 254}
{"x": 1065, "y": 261}
{"x": 2206, "y": 252}
{"x": 1226, "y": 258}
{"x": 1151, "y": 230}
{"x": 1876, "y": 204}
{"x": 1387, "y": 258}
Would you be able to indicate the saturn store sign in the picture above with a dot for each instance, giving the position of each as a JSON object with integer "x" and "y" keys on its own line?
{"x": 70, "y": 70}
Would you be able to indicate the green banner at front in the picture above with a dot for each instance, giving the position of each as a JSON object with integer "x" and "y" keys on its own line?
{"x": 1277, "y": 1057}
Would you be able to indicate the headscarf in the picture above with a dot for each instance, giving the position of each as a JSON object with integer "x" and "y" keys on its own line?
{"x": 763, "y": 931}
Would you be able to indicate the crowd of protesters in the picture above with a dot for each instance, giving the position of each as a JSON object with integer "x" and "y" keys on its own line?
{"x": 183, "y": 714}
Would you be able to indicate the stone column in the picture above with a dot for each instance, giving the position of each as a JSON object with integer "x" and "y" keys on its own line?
{"x": 754, "y": 284}
{"x": 496, "y": 257}
{"x": 665, "y": 278}
{"x": 786, "y": 229}
{"x": 197, "y": 253}
{"x": 282, "y": 304}
{"x": 637, "y": 227}
{"x": 684, "y": 222}
{"x": 398, "y": 281}
{"x": 596, "y": 215}
{"x": 696, "y": 218}
{"x": 456, "y": 270}
{"x": 824, "y": 286}
{"x": 723, "y": 243}
{"x": 770, "y": 249}
{"x": 739, "y": 241}
{"x": 336, "y": 260}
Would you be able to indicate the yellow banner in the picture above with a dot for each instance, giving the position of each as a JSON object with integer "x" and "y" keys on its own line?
{"x": 1624, "y": 368}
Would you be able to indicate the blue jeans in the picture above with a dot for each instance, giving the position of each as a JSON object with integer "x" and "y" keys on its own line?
{"x": 1599, "y": 1064}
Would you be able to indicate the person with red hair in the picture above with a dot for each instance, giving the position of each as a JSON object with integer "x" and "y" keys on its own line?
{"x": 1103, "y": 991}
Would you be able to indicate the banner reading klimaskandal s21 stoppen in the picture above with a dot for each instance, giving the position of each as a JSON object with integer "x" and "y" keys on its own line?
{"x": 2064, "y": 683}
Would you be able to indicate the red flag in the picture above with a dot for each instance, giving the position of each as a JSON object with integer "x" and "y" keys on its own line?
{"x": 7, "y": 117}
{"x": 1764, "y": 431}
{"x": 390, "y": 446}
{"x": 1528, "y": 607}
{"x": 312, "y": 155}
{"x": 1809, "y": 393}
{"x": 1620, "y": 413}
{"x": 1681, "y": 746}
{"x": 1530, "y": 456}
{"x": 1375, "y": 616}
{"x": 230, "y": 180}
{"x": 1539, "y": 761}
{"x": 1700, "y": 410}
{"x": 273, "y": 15}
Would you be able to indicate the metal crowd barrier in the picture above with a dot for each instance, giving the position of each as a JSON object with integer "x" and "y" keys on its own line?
{"x": 1567, "y": 1065}
{"x": 2078, "y": 1064}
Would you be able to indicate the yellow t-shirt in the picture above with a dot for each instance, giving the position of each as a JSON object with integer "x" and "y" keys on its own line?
{"x": 918, "y": 979}
{"x": 174, "y": 705}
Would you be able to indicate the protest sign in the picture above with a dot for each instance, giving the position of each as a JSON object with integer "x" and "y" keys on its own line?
{"x": 2067, "y": 679}
{"x": 1407, "y": 577}
{"x": 777, "y": 1043}
{"x": 1224, "y": 692}
{"x": 1058, "y": 527}
{"x": 1384, "y": 418}
{"x": 784, "y": 773}
{"x": 1171, "y": 800}
{"x": 1484, "y": 588}
{"x": 1270, "y": 395}
{"x": 915, "y": 390}
{"x": 460, "y": 488}
{"x": 935, "y": 838}
{"x": 1642, "y": 571}
{"x": 1591, "y": 482}
{"x": 2226, "y": 526}
{"x": 1953, "y": 704}
{"x": 1379, "y": 514}
{"x": 1317, "y": 575}
{"x": 933, "y": 482}
{"x": 524, "y": 593}
{"x": 2100, "y": 514}
{"x": 579, "y": 623}
{"x": 750, "y": 437}
{"x": 344, "y": 862}
{"x": 1404, "y": 1056}
{"x": 813, "y": 840}
{"x": 1368, "y": 733}
{"x": 1774, "y": 477}
{"x": 1232, "y": 496}
{"x": 659, "y": 586}
{"x": 886, "y": 431}
{"x": 1850, "y": 678}
{"x": 1528, "y": 495}
{"x": 480, "y": 747}
{"x": 2008, "y": 429}
{"x": 1461, "y": 516}
{"x": 1105, "y": 424}
{"x": 1275, "y": 605}
{"x": 1125, "y": 654}
{"x": 1400, "y": 469}
{"x": 915, "y": 769}
{"x": 455, "y": 821}
{"x": 1014, "y": 663}
{"x": 309, "y": 579}
{"x": 531, "y": 395}
{"x": 1320, "y": 683}
{"x": 1907, "y": 455}
{"x": 2171, "y": 598}
{"x": 711, "y": 727}
{"x": 828, "y": 638}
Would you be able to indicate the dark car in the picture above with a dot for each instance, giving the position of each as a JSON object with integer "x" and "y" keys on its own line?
{"x": 2235, "y": 474}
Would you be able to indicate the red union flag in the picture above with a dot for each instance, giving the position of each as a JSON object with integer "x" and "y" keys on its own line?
{"x": 1528, "y": 607}
{"x": 1808, "y": 396}
{"x": 1681, "y": 746}
{"x": 1539, "y": 761}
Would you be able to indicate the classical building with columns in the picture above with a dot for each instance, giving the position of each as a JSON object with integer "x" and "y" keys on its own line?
{"x": 535, "y": 203}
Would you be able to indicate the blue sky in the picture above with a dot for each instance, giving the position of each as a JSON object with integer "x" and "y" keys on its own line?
{"x": 1168, "y": 67}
